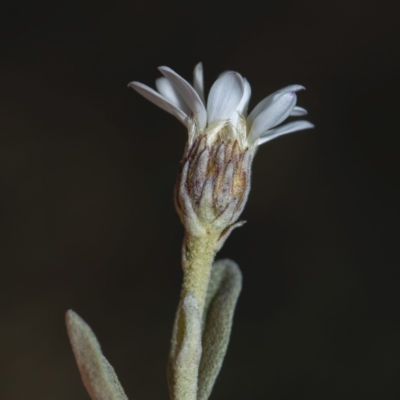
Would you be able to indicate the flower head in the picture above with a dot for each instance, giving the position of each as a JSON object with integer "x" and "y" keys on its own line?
{"x": 214, "y": 180}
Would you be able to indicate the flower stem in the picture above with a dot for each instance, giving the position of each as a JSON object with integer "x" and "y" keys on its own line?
{"x": 197, "y": 257}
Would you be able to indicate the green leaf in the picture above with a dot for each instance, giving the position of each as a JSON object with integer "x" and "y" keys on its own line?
{"x": 183, "y": 368}
{"x": 223, "y": 292}
{"x": 97, "y": 374}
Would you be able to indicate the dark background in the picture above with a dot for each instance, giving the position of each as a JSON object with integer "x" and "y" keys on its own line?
{"x": 87, "y": 169}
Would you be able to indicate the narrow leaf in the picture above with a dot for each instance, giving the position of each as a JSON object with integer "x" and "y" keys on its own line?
{"x": 97, "y": 374}
{"x": 223, "y": 292}
{"x": 183, "y": 368}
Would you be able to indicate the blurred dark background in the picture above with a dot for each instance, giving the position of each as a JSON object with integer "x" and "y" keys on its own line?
{"x": 87, "y": 169}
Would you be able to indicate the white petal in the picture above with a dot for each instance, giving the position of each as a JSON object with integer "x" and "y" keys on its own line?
{"x": 244, "y": 102}
{"x": 198, "y": 81}
{"x": 159, "y": 101}
{"x": 263, "y": 104}
{"x": 241, "y": 109}
{"x": 298, "y": 112}
{"x": 189, "y": 95}
{"x": 167, "y": 90}
{"x": 274, "y": 114}
{"x": 284, "y": 129}
{"x": 224, "y": 97}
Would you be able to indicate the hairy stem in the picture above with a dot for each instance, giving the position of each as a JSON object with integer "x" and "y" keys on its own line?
{"x": 183, "y": 366}
{"x": 197, "y": 257}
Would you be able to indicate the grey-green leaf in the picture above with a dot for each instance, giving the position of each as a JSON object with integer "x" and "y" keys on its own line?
{"x": 223, "y": 292}
{"x": 97, "y": 374}
{"x": 186, "y": 351}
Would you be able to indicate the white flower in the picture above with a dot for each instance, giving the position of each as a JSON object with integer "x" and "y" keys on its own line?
{"x": 225, "y": 112}
{"x": 214, "y": 179}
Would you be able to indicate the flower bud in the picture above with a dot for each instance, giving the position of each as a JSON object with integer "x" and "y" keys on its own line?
{"x": 213, "y": 183}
